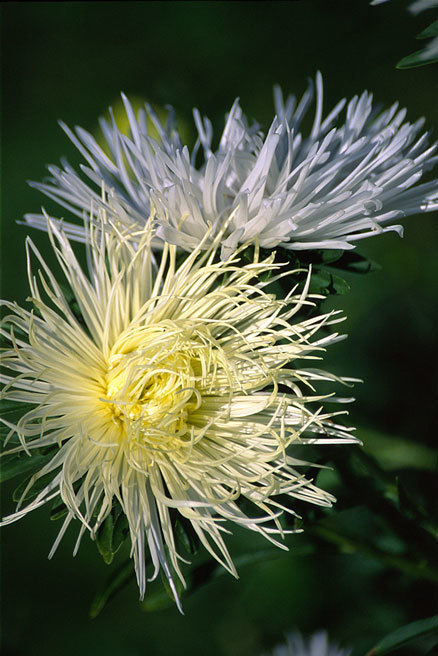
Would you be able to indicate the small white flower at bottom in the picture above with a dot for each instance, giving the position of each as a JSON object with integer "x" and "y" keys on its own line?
{"x": 316, "y": 645}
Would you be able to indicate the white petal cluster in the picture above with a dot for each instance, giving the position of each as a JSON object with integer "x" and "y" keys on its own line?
{"x": 178, "y": 390}
{"x": 349, "y": 178}
{"x": 317, "y": 645}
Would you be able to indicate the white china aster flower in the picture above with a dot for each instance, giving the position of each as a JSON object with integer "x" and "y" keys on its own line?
{"x": 184, "y": 388}
{"x": 344, "y": 181}
{"x": 317, "y": 645}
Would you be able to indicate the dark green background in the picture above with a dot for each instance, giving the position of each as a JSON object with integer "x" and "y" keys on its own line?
{"x": 70, "y": 61}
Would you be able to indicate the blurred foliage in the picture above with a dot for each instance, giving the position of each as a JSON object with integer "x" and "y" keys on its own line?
{"x": 407, "y": 634}
{"x": 427, "y": 55}
{"x": 366, "y": 570}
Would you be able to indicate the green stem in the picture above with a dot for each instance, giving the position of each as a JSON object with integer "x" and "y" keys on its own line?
{"x": 416, "y": 569}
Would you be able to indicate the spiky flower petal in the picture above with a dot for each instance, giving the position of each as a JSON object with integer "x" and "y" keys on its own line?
{"x": 182, "y": 389}
{"x": 343, "y": 182}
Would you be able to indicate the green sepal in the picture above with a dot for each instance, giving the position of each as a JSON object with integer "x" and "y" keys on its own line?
{"x": 112, "y": 533}
{"x": 116, "y": 582}
{"x": 405, "y": 635}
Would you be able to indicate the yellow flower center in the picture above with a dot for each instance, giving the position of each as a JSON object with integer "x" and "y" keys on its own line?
{"x": 152, "y": 387}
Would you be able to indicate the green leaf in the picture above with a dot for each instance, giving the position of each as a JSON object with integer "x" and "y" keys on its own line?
{"x": 421, "y": 57}
{"x": 111, "y": 534}
{"x": 12, "y": 407}
{"x": 205, "y": 572}
{"x": 161, "y": 595}
{"x": 429, "y": 32}
{"x": 363, "y": 477}
{"x": 406, "y": 634}
{"x": 104, "y": 539}
{"x": 185, "y": 535}
{"x": 415, "y": 569}
{"x": 11, "y": 411}
{"x": 58, "y": 511}
{"x": 121, "y": 531}
{"x": 351, "y": 261}
{"x": 158, "y": 599}
{"x": 328, "y": 256}
{"x": 356, "y": 263}
{"x": 415, "y": 60}
{"x": 417, "y": 494}
{"x": 14, "y": 465}
{"x": 34, "y": 490}
{"x": 117, "y": 581}
{"x": 325, "y": 282}
{"x": 394, "y": 452}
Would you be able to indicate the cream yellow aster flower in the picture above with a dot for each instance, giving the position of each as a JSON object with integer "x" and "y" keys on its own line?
{"x": 179, "y": 389}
